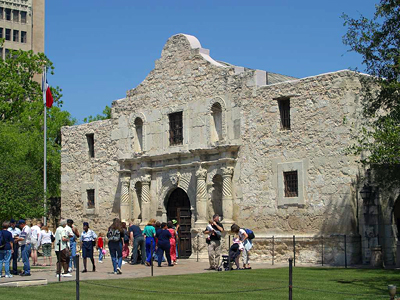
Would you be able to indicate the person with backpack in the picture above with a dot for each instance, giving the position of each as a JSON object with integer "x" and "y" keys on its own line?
{"x": 6, "y": 249}
{"x": 88, "y": 239}
{"x": 115, "y": 236}
{"x": 245, "y": 236}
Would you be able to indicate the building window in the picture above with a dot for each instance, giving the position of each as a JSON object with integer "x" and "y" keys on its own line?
{"x": 1, "y": 13}
{"x": 16, "y": 15}
{"x": 90, "y": 141}
{"x": 1, "y": 53}
{"x": 23, "y": 17}
{"x": 7, "y": 53}
{"x": 23, "y": 36}
{"x": 90, "y": 198}
{"x": 8, "y": 14}
{"x": 8, "y": 34}
{"x": 139, "y": 134}
{"x": 16, "y": 35}
{"x": 1, "y": 33}
{"x": 291, "y": 184}
{"x": 175, "y": 128}
{"x": 284, "y": 110}
{"x": 216, "y": 126}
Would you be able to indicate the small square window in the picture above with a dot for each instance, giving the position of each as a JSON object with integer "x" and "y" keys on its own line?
{"x": 16, "y": 15}
{"x": 8, "y": 14}
{"x": 23, "y": 36}
{"x": 90, "y": 198}
{"x": 16, "y": 35}
{"x": 8, "y": 34}
{"x": 284, "y": 110}
{"x": 291, "y": 184}
{"x": 90, "y": 141}
{"x": 23, "y": 17}
{"x": 175, "y": 128}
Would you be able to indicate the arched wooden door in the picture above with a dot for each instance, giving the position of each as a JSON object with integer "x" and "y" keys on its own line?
{"x": 178, "y": 208}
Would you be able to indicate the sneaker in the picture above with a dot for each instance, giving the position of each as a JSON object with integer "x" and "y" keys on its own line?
{"x": 115, "y": 273}
{"x": 119, "y": 271}
{"x": 26, "y": 274}
{"x": 57, "y": 275}
{"x": 123, "y": 262}
{"x": 66, "y": 275}
{"x": 9, "y": 276}
{"x": 100, "y": 261}
{"x": 69, "y": 270}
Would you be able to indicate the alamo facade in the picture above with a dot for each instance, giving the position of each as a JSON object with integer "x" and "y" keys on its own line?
{"x": 200, "y": 136}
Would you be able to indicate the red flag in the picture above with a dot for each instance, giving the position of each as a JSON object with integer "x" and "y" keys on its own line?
{"x": 49, "y": 97}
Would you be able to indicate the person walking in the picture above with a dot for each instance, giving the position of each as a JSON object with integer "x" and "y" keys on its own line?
{"x": 100, "y": 247}
{"x": 73, "y": 234}
{"x": 46, "y": 242}
{"x": 15, "y": 232}
{"x": 247, "y": 243}
{"x": 35, "y": 238}
{"x": 6, "y": 250}
{"x": 88, "y": 240}
{"x": 172, "y": 242}
{"x": 137, "y": 240}
{"x": 214, "y": 243}
{"x": 163, "y": 244}
{"x": 25, "y": 243}
{"x": 62, "y": 249}
{"x": 149, "y": 233}
{"x": 115, "y": 238}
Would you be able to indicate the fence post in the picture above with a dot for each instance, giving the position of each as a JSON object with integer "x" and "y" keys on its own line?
{"x": 273, "y": 250}
{"x": 59, "y": 261}
{"x": 322, "y": 242}
{"x": 151, "y": 259}
{"x": 77, "y": 275}
{"x": 294, "y": 250}
{"x": 198, "y": 248}
{"x": 290, "y": 278}
{"x": 345, "y": 251}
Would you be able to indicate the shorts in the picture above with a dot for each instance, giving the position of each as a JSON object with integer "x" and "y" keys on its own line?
{"x": 46, "y": 250}
{"x": 34, "y": 244}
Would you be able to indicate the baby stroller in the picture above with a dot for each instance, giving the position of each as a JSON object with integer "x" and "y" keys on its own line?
{"x": 228, "y": 260}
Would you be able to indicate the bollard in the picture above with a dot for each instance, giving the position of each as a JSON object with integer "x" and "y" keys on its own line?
{"x": 229, "y": 243}
{"x": 345, "y": 252}
{"x": 151, "y": 259}
{"x": 273, "y": 250}
{"x": 77, "y": 275}
{"x": 322, "y": 242}
{"x": 294, "y": 250}
{"x": 198, "y": 248}
{"x": 290, "y": 278}
{"x": 59, "y": 261}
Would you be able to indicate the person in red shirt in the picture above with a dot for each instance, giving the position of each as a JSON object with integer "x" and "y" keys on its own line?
{"x": 100, "y": 247}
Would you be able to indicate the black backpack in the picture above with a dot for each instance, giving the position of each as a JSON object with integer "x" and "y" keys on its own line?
{"x": 250, "y": 234}
{"x": 113, "y": 235}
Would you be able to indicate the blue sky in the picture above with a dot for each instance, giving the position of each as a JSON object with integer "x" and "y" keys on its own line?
{"x": 100, "y": 49}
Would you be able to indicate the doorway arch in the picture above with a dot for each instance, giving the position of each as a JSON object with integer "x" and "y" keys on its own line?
{"x": 178, "y": 208}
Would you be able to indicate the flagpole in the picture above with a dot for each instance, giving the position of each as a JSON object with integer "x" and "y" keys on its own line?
{"x": 44, "y": 86}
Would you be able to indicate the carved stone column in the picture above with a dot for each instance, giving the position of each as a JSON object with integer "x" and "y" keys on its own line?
{"x": 227, "y": 198}
{"x": 124, "y": 203}
{"x": 201, "y": 198}
{"x": 146, "y": 179}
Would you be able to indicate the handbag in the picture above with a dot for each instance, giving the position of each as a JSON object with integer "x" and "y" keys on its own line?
{"x": 53, "y": 238}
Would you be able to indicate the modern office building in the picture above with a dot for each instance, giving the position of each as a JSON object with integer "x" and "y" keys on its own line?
{"x": 22, "y": 25}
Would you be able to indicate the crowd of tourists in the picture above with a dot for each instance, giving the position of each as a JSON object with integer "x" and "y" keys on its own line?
{"x": 157, "y": 241}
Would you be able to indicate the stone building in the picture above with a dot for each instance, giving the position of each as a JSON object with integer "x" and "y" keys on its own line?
{"x": 22, "y": 25}
{"x": 200, "y": 136}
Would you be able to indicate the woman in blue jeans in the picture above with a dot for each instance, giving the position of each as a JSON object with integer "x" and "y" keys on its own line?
{"x": 149, "y": 233}
{"x": 6, "y": 251}
{"x": 115, "y": 237}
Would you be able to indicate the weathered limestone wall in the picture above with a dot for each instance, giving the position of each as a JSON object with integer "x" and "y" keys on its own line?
{"x": 81, "y": 172}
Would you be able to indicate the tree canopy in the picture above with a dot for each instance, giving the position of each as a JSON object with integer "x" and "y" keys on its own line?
{"x": 106, "y": 115}
{"x": 22, "y": 136}
{"x": 377, "y": 40}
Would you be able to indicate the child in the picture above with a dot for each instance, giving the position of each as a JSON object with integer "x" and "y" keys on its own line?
{"x": 235, "y": 250}
{"x": 100, "y": 246}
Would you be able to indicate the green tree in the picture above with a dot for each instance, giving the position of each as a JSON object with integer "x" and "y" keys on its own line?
{"x": 106, "y": 115}
{"x": 21, "y": 135}
{"x": 378, "y": 42}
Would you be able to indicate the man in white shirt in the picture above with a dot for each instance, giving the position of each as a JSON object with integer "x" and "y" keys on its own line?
{"x": 25, "y": 242}
{"x": 35, "y": 238}
{"x": 62, "y": 249}
{"x": 15, "y": 231}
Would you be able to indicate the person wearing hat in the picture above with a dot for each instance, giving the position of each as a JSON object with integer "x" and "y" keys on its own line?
{"x": 15, "y": 232}
{"x": 88, "y": 240}
{"x": 24, "y": 240}
{"x": 62, "y": 249}
{"x": 73, "y": 234}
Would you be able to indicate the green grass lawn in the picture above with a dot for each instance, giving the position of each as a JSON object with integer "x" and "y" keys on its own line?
{"x": 264, "y": 284}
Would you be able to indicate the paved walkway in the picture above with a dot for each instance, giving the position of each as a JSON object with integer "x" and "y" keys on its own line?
{"x": 104, "y": 271}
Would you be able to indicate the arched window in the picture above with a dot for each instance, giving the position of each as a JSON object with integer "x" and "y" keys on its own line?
{"x": 216, "y": 126}
{"x": 139, "y": 134}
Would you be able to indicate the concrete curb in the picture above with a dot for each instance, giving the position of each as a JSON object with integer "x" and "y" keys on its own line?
{"x": 24, "y": 283}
